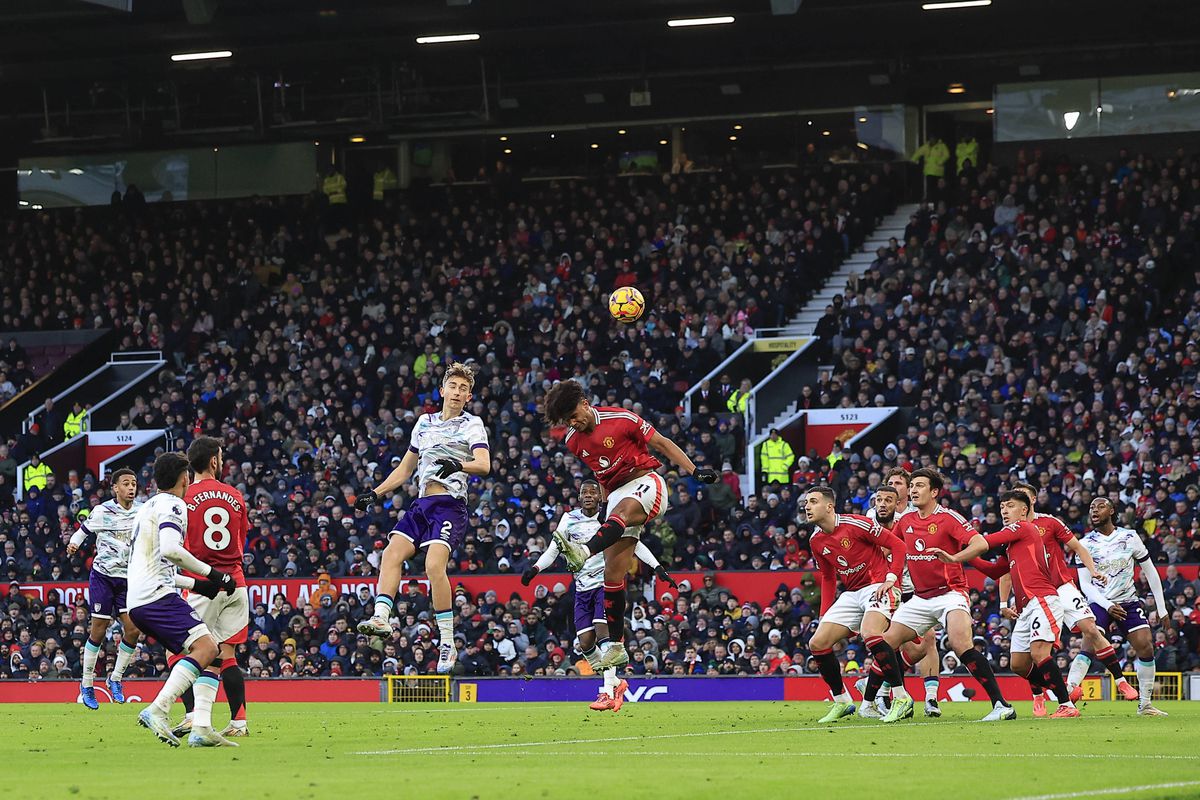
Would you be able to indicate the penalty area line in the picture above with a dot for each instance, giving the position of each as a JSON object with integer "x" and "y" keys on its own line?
{"x": 607, "y": 739}
{"x": 1115, "y": 790}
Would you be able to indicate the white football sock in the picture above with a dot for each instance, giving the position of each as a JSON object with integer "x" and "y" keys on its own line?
{"x": 1078, "y": 670}
{"x": 124, "y": 656}
{"x": 1145, "y": 676}
{"x": 205, "y": 691}
{"x": 91, "y": 651}
{"x": 184, "y": 674}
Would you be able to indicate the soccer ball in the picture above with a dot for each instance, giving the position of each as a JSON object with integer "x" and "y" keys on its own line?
{"x": 626, "y": 304}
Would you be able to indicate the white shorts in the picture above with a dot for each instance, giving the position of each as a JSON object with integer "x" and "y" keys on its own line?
{"x": 650, "y": 491}
{"x": 922, "y": 613}
{"x": 1075, "y": 607}
{"x": 851, "y": 606}
{"x": 226, "y": 615}
{"x": 1040, "y": 621}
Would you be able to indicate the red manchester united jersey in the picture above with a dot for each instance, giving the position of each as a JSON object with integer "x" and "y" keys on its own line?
{"x": 216, "y": 526}
{"x": 1027, "y": 561}
{"x": 616, "y": 447}
{"x": 1055, "y": 536}
{"x": 853, "y": 552}
{"x": 943, "y": 529}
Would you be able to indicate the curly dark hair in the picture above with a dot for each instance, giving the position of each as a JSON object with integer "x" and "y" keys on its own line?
{"x": 561, "y": 401}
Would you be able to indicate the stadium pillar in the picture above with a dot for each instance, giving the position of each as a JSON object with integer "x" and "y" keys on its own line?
{"x": 676, "y": 143}
{"x": 404, "y": 164}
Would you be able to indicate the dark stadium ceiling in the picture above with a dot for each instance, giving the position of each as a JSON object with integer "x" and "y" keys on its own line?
{"x": 75, "y": 71}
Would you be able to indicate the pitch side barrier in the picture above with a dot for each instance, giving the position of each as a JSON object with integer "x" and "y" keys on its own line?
{"x": 524, "y": 689}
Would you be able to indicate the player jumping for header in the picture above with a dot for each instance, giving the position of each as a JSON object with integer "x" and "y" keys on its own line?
{"x": 444, "y": 449}
{"x": 615, "y": 444}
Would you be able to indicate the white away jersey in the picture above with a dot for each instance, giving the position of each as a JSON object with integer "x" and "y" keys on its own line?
{"x": 152, "y": 576}
{"x": 434, "y": 438}
{"x": 1115, "y": 556}
{"x": 112, "y": 526}
{"x": 579, "y": 528}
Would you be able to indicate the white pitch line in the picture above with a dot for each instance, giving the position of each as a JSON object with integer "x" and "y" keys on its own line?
{"x": 825, "y": 754}
{"x": 435, "y": 710}
{"x": 607, "y": 739}
{"x": 1110, "y": 791}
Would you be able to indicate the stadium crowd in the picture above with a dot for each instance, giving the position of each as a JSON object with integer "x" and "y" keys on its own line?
{"x": 1041, "y": 322}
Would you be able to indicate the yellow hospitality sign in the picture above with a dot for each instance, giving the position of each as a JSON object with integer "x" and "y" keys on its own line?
{"x": 778, "y": 345}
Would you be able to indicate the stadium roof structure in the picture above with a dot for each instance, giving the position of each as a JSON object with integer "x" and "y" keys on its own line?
{"x": 91, "y": 70}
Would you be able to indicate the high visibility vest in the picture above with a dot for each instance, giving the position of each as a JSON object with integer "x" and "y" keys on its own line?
{"x": 385, "y": 181}
{"x": 75, "y": 424}
{"x": 935, "y": 156}
{"x": 966, "y": 150}
{"x": 36, "y": 476}
{"x": 737, "y": 401}
{"x": 335, "y": 188}
{"x": 776, "y": 460}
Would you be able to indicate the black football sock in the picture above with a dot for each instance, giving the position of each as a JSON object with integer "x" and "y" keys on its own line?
{"x": 885, "y": 657}
{"x": 235, "y": 688}
{"x": 1035, "y": 679}
{"x": 831, "y": 671}
{"x": 612, "y": 530}
{"x": 614, "y": 610}
{"x": 874, "y": 682}
{"x": 1108, "y": 657}
{"x": 189, "y": 700}
{"x": 978, "y": 666}
{"x": 1052, "y": 678}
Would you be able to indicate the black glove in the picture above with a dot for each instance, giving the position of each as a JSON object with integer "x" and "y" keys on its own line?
{"x": 366, "y": 500}
{"x": 449, "y": 466}
{"x": 223, "y": 579}
{"x": 661, "y": 573}
{"x": 705, "y": 475}
{"x": 207, "y": 587}
{"x": 528, "y": 575}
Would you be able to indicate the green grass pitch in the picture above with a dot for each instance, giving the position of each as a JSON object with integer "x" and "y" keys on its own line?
{"x": 652, "y": 750}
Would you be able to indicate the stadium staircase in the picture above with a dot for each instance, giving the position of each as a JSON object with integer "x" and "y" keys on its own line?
{"x": 105, "y": 392}
{"x": 805, "y": 322}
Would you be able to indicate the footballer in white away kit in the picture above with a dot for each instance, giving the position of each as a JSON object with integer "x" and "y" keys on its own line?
{"x": 1116, "y": 604}
{"x": 112, "y": 524}
{"x": 444, "y": 449}
{"x": 157, "y": 608}
{"x": 591, "y": 625}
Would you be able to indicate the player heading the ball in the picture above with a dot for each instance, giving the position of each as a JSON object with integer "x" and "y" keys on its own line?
{"x": 616, "y": 444}
{"x": 443, "y": 450}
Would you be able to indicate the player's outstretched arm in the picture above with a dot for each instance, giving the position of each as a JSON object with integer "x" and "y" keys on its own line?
{"x": 391, "y": 483}
{"x": 680, "y": 459}
{"x": 977, "y": 546}
{"x": 1085, "y": 557}
{"x": 644, "y": 555}
{"x": 77, "y": 540}
{"x": 543, "y": 562}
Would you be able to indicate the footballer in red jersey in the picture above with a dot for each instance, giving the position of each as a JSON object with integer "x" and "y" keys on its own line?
{"x": 1077, "y": 612}
{"x": 216, "y": 534}
{"x": 852, "y": 550}
{"x": 616, "y": 444}
{"x": 940, "y": 589}
{"x": 1039, "y": 611}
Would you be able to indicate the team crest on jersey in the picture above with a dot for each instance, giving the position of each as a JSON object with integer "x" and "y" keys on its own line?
{"x": 609, "y": 442}
{"x": 932, "y": 528}
{"x": 845, "y": 543}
